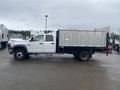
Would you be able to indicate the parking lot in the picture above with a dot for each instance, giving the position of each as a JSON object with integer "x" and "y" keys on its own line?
{"x": 60, "y": 72}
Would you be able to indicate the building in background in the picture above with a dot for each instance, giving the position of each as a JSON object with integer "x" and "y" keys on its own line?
{"x": 3, "y": 36}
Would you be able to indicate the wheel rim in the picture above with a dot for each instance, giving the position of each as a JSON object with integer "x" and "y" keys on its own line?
{"x": 19, "y": 55}
{"x": 84, "y": 57}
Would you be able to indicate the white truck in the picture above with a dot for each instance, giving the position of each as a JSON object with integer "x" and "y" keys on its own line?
{"x": 117, "y": 45}
{"x": 3, "y": 36}
{"x": 80, "y": 43}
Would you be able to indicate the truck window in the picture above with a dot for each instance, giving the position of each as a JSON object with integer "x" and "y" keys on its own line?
{"x": 38, "y": 38}
{"x": 49, "y": 38}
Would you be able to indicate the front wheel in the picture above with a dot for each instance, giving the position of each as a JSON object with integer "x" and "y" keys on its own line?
{"x": 84, "y": 56}
{"x": 19, "y": 55}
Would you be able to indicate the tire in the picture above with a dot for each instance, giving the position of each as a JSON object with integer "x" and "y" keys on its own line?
{"x": 1, "y": 45}
{"x": 117, "y": 47}
{"x": 19, "y": 55}
{"x": 84, "y": 56}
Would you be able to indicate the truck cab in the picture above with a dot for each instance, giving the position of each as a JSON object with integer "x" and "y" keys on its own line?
{"x": 43, "y": 43}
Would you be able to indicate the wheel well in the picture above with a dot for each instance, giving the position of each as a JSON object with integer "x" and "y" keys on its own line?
{"x": 20, "y": 48}
{"x": 90, "y": 51}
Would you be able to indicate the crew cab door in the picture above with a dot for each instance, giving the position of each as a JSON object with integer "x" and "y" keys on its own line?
{"x": 36, "y": 44}
{"x": 50, "y": 44}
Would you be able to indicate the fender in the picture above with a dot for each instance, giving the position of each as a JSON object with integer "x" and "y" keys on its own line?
{"x": 20, "y": 46}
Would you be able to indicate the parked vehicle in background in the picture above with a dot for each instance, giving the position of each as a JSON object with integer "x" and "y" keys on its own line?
{"x": 3, "y": 36}
{"x": 80, "y": 43}
{"x": 15, "y": 37}
{"x": 116, "y": 45}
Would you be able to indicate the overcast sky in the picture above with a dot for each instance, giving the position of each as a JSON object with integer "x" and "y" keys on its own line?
{"x": 74, "y": 14}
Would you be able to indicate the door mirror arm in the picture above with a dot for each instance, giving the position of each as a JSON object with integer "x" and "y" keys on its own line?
{"x": 31, "y": 39}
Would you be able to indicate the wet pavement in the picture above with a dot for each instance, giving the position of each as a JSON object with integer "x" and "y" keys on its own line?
{"x": 60, "y": 72}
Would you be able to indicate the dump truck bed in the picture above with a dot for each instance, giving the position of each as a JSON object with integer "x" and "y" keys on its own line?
{"x": 84, "y": 38}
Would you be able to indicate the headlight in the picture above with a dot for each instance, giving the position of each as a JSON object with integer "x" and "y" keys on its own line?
{"x": 9, "y": 45}
{"x": 12, "y": 45}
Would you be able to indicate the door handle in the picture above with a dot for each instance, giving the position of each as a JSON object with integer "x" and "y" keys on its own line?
{"x": 40, "y": 43}
{"x": 52, "y": 43}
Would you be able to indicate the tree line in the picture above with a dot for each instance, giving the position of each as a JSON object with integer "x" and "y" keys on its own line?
{"x": 24, "y": 33}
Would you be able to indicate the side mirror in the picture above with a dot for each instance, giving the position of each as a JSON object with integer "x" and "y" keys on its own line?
{"x": 31, "y": 39}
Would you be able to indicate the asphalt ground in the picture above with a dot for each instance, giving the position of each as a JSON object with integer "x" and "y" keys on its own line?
{"x": 60, "y": 72}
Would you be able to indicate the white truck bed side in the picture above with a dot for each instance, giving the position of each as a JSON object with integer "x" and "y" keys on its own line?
{"x": 82, "y": 38}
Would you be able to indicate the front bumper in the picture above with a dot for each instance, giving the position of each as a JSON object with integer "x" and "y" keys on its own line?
{"x": 10, "y": 49}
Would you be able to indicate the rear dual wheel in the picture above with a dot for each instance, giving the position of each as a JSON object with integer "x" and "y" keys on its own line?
{"x": 83, "y": 56}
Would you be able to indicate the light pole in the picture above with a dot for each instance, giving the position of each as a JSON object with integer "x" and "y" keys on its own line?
{"x": 46, "y": 22}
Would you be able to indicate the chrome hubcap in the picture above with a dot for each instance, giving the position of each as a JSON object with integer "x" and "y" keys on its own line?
{"x": 19, "y": 55}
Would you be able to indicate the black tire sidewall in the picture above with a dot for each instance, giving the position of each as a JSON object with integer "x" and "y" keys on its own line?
{"x": 82, "y": 58}
{"x": 17, "y": 58}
